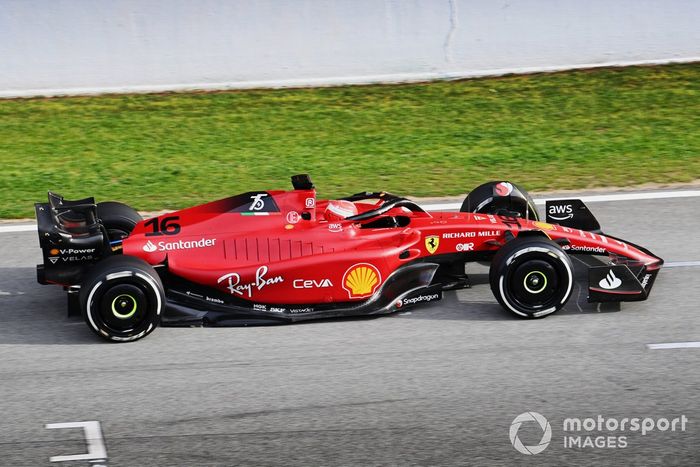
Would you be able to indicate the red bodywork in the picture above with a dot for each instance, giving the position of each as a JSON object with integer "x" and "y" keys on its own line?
{"x": 293, "y": 255}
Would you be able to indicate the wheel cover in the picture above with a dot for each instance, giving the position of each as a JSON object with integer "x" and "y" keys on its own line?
{"x": 536, "y": 282}
{"x": 124, "y": 306}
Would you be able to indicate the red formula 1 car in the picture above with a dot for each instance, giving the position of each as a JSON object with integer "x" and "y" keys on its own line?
{"x": 266, "y": 257}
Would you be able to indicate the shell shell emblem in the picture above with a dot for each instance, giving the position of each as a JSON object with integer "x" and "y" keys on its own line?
{"x": 361, "y": 280}
{"x": 544, "y": 225}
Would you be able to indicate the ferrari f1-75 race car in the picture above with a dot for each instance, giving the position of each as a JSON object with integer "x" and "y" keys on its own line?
{"x": 268, "y": 257}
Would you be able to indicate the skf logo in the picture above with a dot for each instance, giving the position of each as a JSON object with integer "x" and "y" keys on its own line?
{"x": 432, "y": 242}
{"x": 361, "y": 280}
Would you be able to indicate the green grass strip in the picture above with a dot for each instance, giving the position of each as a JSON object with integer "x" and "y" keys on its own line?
{"x": 579, "y": 129}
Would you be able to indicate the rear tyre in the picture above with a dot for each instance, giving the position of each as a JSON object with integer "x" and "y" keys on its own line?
{"x": 504, "y": 198}
{"x": 531, "y": 277}
{"x": 122, "y": 298}
{"x": 118, "y": 218}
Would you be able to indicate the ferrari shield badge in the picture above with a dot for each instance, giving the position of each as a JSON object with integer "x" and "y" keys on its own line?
{"x": 431, "y": 243}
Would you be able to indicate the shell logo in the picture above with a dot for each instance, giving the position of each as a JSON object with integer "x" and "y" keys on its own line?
{"x": 544, "y": 225}
{"x": 361, "y": 280}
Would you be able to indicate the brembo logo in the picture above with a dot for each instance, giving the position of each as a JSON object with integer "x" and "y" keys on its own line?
{"x": 561, "y": 212}
{"x": 645, "y": 281}
{"x": 610, "y": 282}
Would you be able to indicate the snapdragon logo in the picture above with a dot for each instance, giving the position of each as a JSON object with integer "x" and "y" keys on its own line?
{"x": 530, "y": 417}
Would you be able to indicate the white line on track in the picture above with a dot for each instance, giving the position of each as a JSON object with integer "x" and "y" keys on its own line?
{"x": 93, "y": 439}
{"x": 674, "y": 345}
{"x": 682, "y": 264}
{"x": 455, "y": 206}
{"x": 17, "y": 228}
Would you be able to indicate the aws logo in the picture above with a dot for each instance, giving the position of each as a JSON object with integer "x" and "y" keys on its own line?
{"x": 561, "y": 212}
{"x": 361, "y": 280}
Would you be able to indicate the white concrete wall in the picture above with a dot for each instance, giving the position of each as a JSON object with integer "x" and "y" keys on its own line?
{"x": 85, "y": 46}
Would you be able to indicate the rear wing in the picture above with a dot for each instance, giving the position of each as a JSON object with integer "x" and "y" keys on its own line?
{"x": 71, "y": 238}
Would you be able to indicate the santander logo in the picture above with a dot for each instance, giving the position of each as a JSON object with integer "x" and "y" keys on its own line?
{"x": 610, "y": 282}
{"x": 149, "y": 247}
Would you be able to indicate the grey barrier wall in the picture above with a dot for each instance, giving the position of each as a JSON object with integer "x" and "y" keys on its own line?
{"x": 50, "y": 47}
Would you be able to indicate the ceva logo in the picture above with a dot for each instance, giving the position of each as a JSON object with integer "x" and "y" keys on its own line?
{"x": 610, "y": 282}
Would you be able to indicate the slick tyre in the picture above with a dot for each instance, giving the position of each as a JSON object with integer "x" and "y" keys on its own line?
{"x": 531, "y": 277}
{"x": 502, "y": 198}
{"x": 119, "y": 219}
{"x": 122, "y": 298}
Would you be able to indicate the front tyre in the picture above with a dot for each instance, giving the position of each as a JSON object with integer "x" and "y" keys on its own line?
{"x": 122, "y": 299}
{"x": 531, "y": 277}
{"x": 502, "y": 198}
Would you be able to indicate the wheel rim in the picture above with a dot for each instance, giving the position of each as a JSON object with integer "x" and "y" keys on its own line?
{"x": 124, "y": 306}
{"x": 534, "y": 283}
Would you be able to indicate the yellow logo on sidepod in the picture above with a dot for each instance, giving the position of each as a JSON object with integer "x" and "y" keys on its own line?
{"x": 432, "y": 242}
{"x": 361, "y": 280}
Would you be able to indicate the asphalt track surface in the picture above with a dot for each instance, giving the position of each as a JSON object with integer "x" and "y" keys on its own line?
{"x": 437, "y": 386}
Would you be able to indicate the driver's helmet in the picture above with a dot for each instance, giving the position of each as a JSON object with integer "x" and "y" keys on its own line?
{"x": 337, "y": 210}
